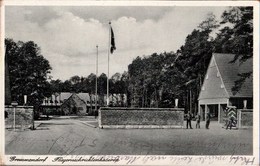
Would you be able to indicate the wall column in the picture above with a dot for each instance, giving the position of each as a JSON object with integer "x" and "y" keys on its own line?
{"x": 199, "y": 112}
{"x": 219, "y": 112}
{"x": 206, "y": 110}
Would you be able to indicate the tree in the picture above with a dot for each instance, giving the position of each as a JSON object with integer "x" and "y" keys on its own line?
{"x": 222, "y": 43}
{"x": 173, "y": 82}
{"x": 28, "y": 72}
{"x": 114, "y": 83}
{"x": 237, "y": 38}
{"x": 209, "y": 24}
{"x": 125, "y": 85}
{"x": 77, "y": 83}
{"x": 102, "y": 87}
{"x": 238, "y": 23}
{"x": 192, "y": 62}
{"x": 56, "y": 86}
{"x": 116, "y": 77}
{"x": 146, "y": 82}
{"x": 67, "y": 86}
{"x": 91, "y": 84}
{"x": 75, "y": 79}
{"x": 135, "y": 71}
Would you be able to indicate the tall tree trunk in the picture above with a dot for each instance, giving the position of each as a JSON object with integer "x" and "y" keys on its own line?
{"x": 143, "y": 98}
{"x": 190, "y": 101}
{"x": 146, "y": 98}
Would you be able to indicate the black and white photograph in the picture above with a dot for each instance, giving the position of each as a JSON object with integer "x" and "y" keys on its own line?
{"x": 138, "y": 83}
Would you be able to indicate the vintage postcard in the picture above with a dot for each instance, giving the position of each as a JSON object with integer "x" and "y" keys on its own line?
{"x": 129, "y": 83}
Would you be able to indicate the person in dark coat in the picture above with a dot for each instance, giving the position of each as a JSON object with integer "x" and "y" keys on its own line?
{"x": 230, "y": 122}
{"x": 188, "y": 118}
{"x": 207, "y": 120}
{"x": 197, "y": 117}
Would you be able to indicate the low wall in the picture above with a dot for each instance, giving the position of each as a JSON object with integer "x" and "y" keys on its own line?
{"x": 245, "y": 118}
{"x": 141, "y": 117}
{"x": 23, "y": 117}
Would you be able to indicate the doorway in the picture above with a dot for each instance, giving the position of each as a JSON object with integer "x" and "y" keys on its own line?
{"x": 202, "y": 112}
{"x": 213, "y": 109}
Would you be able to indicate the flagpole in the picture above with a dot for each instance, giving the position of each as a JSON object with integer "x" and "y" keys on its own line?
{"x": 108, "y": 52}
{"x": 96, "y": 81}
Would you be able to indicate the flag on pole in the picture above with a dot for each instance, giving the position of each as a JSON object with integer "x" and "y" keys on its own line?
{"x": 113, "y": 45}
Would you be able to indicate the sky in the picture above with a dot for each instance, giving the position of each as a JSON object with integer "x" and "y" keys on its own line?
{"x": 68, "y": 36}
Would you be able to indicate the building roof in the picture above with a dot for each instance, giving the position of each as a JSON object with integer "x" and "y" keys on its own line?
{"x": 229, "y": 74}
{"x": 84, "y": 96}
{"x": 63, "y": 96}
{"x": 213, "y": 86}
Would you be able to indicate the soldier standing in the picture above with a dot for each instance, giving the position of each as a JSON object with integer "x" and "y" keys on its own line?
{"x": 197, "y": 121}
{"x": 189, "y": 116}
{"x": 230, "y": 122}
{"x": 207, "y": 120}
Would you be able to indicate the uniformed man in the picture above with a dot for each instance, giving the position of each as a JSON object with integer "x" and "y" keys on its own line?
{"x": 189, "y": 117}
{"x": 197, "y": 117}
{"x": 230, "y": 122}
{"x": 207, "y": 120}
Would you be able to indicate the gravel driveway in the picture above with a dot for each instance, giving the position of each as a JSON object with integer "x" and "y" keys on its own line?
{"x": 73, "y": 136}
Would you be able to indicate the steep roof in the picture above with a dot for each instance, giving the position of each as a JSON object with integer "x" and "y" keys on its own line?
{"x": 229, "y": 74}
{"x": 213, "y": 86}
{"x": 64, "y": 95}
{"x": 84, "y": 96}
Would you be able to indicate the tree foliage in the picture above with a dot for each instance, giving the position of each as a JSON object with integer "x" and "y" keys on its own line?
{"x": 28, "y": 71}
{"x": 77, "y": 84}
{"x": 237, "y": 34}
{"x": 147, "y": 79}
{"x": 237, "y": 38}
{"x": 154, "y": 80}
{"x": 157, "y": 79}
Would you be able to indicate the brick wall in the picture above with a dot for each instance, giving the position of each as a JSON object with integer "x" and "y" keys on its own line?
{"x": 245, "y": 118}
{"x": 141, "y": 117}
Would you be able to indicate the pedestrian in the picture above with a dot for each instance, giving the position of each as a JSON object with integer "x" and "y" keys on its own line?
{"x": 207, "y": 120}
{"x": 188, "y": 118}
{"x": 230, "y": 122}
{"x": 197, "y": 117}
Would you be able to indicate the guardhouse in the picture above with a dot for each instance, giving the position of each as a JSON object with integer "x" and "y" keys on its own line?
{"x": 216, "y": 92}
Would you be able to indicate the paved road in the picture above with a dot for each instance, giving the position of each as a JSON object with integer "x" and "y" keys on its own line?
{"x": 71, "y": 136}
